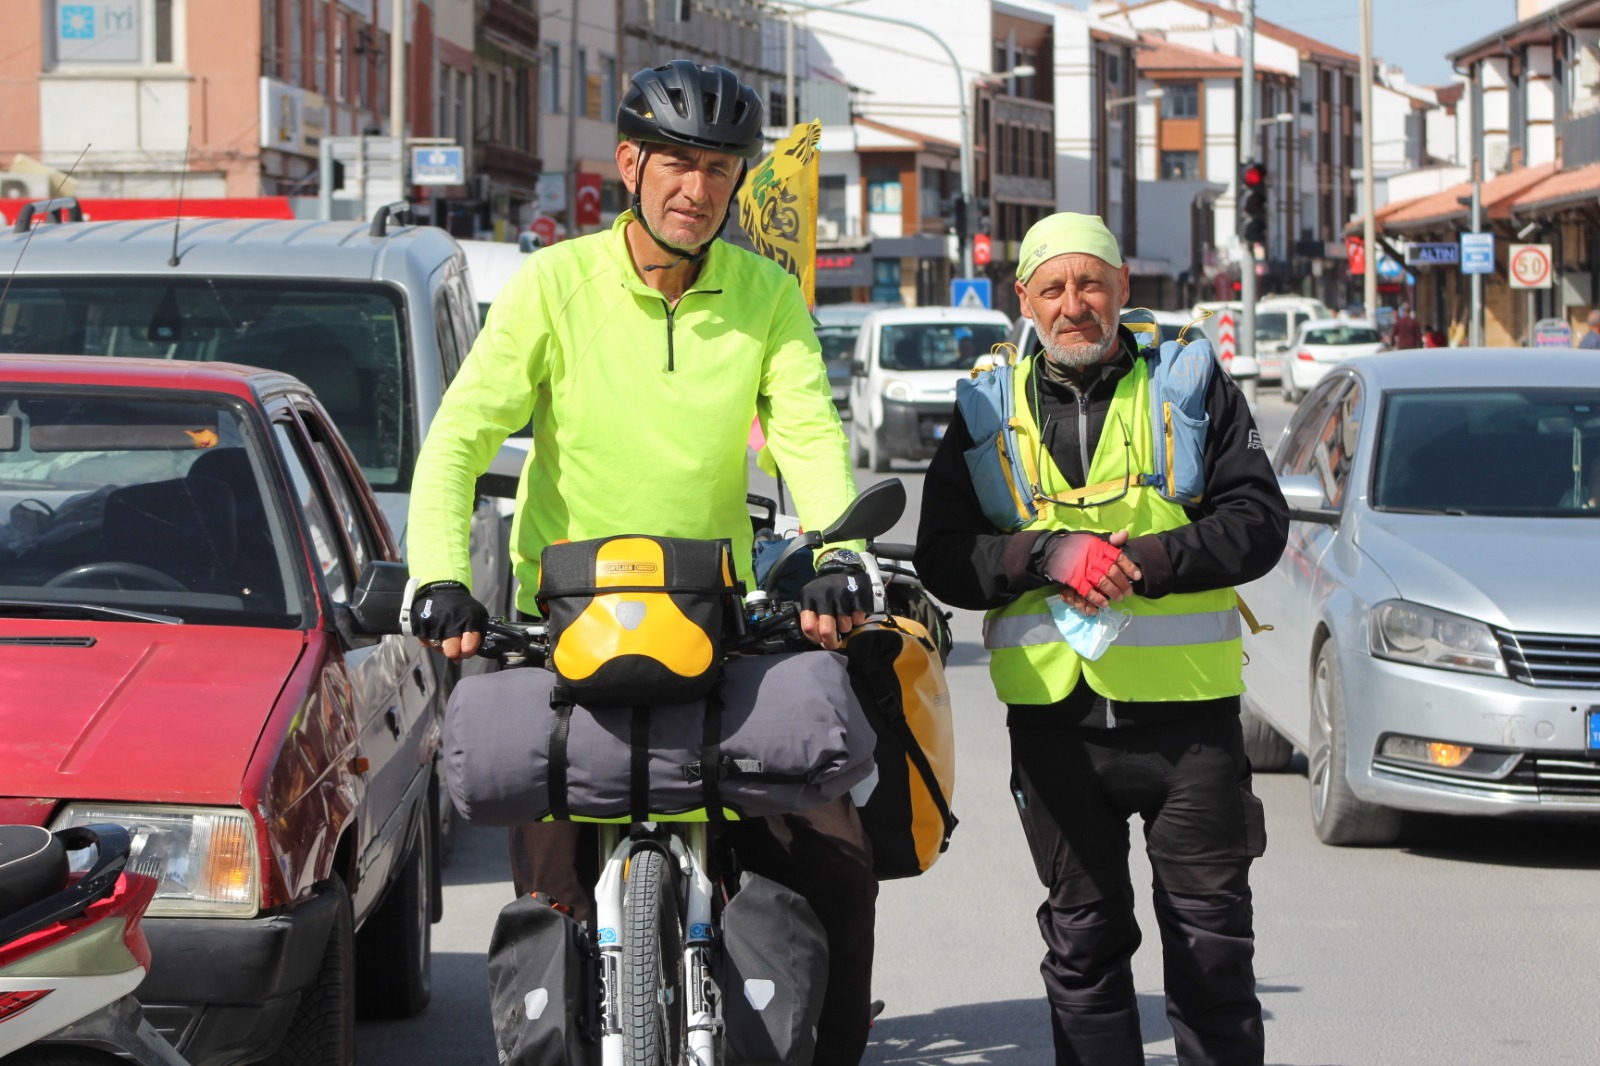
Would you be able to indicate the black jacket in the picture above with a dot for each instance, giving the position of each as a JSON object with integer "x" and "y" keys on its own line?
{"x": 1235, "y": 535}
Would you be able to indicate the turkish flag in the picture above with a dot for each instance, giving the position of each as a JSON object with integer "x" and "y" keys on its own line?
{"x": 1356, "y": 249}
{"x": 588, "y": 199}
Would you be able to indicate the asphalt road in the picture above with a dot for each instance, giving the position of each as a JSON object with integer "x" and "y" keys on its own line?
{"x": 1447, "y": 949}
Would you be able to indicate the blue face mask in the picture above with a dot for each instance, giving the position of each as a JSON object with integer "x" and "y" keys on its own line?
{"x": 1088, "y": 634}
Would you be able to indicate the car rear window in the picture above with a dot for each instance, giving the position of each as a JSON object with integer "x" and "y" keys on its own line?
{"x": 141, "y": 503}
{"x": 345, "y": 341}
{"x": 1339, "y": 336}
{"x": 1491, "y": 451}
{"x": 938, "y": 345}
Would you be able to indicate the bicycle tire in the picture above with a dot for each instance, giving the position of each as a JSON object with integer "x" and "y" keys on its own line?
{"x": 652, "y": 962}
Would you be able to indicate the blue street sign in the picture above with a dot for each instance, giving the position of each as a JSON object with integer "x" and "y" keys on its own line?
{"x": 1477, "y": 253}
{"x": 1388, "y": 268}
{"x": 437, "y": 165}
{"x": 970, "y": 292}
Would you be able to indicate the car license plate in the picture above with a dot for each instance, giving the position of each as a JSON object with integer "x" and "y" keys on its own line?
{"x": 1594, "y": 731}
{"x": 938, "y": 431}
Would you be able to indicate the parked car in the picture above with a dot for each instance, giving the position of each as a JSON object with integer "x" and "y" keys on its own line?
{"x": 1320, "y": 345}
{"x": 490, "y": 265}
{"x": 1278, "y": 321}
{"x": 199, "y": 603}
{"x": 1412, "y": 659}
{"x": 375, "y": 317}
{"x": 903, "y": 377}
{"x": 837, "y": 327}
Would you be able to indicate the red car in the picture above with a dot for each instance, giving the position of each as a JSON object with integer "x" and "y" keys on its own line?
{"x": 199, "y": 639}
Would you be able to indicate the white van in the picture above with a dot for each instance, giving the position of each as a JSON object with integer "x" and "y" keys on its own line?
{"x": 1278, "y": 319}
{"x": 903, "y": 377}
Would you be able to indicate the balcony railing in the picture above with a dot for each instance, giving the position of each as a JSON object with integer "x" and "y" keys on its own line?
{"x": 512, "y": 21}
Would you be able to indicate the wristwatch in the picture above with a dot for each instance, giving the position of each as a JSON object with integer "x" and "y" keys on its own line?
{"x": 839, "y": 559}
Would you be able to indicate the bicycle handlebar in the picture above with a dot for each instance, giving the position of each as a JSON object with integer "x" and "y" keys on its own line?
{"x": 886, "y": 550}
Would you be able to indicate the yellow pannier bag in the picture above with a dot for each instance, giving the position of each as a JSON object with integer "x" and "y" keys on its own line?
{"x": 898, "y": 677}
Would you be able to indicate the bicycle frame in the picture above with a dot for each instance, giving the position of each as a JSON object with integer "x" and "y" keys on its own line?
{"x": 702, "y": 1002}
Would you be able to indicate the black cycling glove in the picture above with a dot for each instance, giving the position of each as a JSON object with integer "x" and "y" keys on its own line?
{"x": 838, "y": 590}
{"x": 445, "y": 609}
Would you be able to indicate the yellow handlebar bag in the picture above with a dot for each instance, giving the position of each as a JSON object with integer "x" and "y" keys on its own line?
{"x": 637, "y": 620}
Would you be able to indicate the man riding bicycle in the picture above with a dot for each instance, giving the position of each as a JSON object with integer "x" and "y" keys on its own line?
{"x": 642, "y": 355}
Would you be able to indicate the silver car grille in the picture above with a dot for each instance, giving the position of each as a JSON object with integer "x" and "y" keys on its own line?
{"x": 1551, "y": 660}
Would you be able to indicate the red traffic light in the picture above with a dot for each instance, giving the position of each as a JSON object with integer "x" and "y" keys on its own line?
{"x": 1254, "y": 175}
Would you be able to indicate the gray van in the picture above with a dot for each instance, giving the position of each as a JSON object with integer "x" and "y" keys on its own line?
{"x": 375, "y": 317}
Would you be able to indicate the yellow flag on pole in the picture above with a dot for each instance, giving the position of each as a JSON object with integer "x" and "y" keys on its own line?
{"x": 778, "y": 205}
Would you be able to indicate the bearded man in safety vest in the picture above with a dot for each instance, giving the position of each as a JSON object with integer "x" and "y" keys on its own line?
{"x": 1151, "y": 723}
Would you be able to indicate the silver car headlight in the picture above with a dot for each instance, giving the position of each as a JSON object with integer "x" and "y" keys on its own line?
{"x": 204, "y": 859}
{"x": 1410, "y": 633}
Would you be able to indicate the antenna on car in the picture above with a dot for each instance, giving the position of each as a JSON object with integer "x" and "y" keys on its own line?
{"x": 178, "y": 216}
{"x": 68, "y": 177}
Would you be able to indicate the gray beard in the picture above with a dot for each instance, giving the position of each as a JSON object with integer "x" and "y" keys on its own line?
{"x": 1078, "y": 356}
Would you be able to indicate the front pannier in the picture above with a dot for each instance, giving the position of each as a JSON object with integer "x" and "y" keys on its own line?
{"x": 899, "y": 679}
{"x": 773, "y": 972}
{"x": 779, "y": 733}
{"x": 637, "y": 619}
{"x": 544, "y": 986}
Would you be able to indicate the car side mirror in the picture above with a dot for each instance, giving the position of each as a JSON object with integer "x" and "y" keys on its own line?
{"x": 858, "y": 369}
{"x": 375, "y": 605}
{"x": 504, "y": 473}
{"x": 1307, "y": 502}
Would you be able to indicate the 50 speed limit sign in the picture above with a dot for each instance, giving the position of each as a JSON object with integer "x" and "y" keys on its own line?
{"x": 1530, "y": 266}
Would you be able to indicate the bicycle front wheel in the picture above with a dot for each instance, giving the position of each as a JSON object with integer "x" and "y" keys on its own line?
{"x": 652, "y": 962}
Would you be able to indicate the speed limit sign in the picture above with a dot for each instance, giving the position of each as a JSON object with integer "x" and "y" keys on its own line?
{"x": 1530, "y": 266}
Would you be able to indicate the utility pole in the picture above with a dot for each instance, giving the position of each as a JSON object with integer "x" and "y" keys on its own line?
{"x": 1247, "y": 147}
{"x": 1369, "y": 221}
{"x": 397, "y": 80}
{"x": 1475, "y": 327}
{"x": 572, "y": 121}
{"x": 790, "y": 106}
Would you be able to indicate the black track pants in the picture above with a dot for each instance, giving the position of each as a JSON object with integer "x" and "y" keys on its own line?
{"x": 1075, "y": 789}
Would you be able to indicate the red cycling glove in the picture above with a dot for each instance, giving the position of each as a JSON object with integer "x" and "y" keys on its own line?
{"x": 1078, "y": 560}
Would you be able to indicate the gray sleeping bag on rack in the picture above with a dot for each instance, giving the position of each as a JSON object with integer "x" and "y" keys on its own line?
{"x": 792, "y": 737}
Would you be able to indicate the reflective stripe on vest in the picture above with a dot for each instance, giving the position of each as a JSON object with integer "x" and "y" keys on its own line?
{"x": 1144, "y": 631}
{"x": 1183, "y": 646}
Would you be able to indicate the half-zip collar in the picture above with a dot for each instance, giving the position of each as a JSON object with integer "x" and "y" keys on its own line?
{"x": 705, "y": 285}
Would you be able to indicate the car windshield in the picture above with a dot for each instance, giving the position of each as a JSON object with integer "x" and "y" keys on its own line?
{"x": 1271, "y": 326}
{"x": 1338, "y": 336}
{"x": 134, "y": 503}
{"x": 938, "y": 345}
{"x": 345, "y": 341}
{"x": 1491, "y": 451}
{"x": 838, "y": 348}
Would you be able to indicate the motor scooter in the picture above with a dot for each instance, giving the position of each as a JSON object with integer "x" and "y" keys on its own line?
{"x": 72, "y": 950}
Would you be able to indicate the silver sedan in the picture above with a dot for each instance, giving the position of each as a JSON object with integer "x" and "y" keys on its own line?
{"x": 1436, "y": 613}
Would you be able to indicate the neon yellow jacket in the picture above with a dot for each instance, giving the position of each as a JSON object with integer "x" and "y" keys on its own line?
{"x": 641, "y": 412}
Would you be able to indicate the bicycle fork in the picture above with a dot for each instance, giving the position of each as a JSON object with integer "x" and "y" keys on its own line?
{"x": 702, "y": 1001}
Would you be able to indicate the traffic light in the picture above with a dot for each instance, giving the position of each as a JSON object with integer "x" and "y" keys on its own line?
{"x": 1253, "y": 202}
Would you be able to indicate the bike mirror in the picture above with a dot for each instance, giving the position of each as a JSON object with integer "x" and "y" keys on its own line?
{"x": 871, "y": 514}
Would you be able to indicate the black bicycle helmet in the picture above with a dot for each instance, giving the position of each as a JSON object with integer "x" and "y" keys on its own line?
{"x": 698, "y": 107}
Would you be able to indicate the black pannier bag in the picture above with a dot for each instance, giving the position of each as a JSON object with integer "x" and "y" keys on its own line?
{"x": 635, "y": 619}
{"x": 773, "y": 972}
{"x": 781, "y": 732}
{"x": 899, "y": 678}
{"x": 544, "y": 986}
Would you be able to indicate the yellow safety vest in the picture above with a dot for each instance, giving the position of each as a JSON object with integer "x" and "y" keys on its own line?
{"x": 1183, "y": 646}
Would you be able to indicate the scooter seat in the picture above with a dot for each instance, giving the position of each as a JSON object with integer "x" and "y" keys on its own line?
{"x": 33, "y": 866}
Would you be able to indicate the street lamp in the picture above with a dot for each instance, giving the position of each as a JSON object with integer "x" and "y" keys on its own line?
{"x": 1148, "y": 94}
{"x": 961, "y": 89}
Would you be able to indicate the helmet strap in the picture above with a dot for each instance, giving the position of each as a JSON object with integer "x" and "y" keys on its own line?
{"x": 692, "y": 258}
